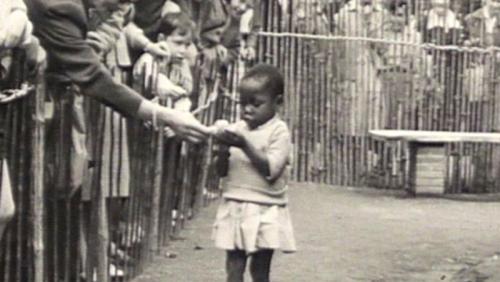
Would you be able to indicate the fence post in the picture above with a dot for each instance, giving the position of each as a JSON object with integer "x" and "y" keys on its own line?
{"x": 154, "y": 224}
{"x": 100, "y": 236}
{"x": 205, "y": 169}
{"x": 37, "y": 184}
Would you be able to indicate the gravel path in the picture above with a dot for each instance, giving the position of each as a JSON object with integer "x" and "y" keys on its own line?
{"x": 348, "y": 234}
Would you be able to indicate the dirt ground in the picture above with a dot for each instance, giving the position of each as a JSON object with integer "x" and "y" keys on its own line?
{"x": 346, "y": 234}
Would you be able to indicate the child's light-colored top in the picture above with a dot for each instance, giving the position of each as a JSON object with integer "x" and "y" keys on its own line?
{"x": 244, "y": 182}
{"x": 7, "y": 7}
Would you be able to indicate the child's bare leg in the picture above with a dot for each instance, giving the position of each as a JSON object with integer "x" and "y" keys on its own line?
{"x": 235, "y": 265}
{"x": 260, "y": 265}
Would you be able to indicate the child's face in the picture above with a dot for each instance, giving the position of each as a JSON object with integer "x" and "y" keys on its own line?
{"x": 257, "y": 105}
{"x": 213, "y": 37}
{"x": 238, "y": 7}
{"x": 178, "y": 45}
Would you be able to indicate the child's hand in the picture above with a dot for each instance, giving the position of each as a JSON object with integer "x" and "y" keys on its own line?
{"x": 159, "y": 49}
{"x": 218, "y": 127}
{"x": 232, "y": 137}
{"x": 249, "y": 54}
{"x": 166, "y": 88}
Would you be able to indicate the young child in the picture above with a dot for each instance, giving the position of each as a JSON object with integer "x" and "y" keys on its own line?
{"x": 253, "y": 218}
{"x": 174, "y": 79}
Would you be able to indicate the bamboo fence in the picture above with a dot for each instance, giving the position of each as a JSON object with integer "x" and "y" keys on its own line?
{"x": 64, "y": 230}
{"x": 341, "y": 84}
{"x": 86, "y": 223}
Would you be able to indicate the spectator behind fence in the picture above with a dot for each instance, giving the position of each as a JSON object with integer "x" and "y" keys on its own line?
{"x": 240, "y": 34}
{"x": 15, "y": 31}
{"x": 358, "y": 77}
{"x": 441, "y": 26}
{"x": 61, "y": 26}
{"x": 399, "y": 66}
{"x": 172, "y": 77}
{"x": 253, "y": 219}
{"x": 483, "y": 30}
{"x": 117, "y": 30}
{"x": 228, "y": 29}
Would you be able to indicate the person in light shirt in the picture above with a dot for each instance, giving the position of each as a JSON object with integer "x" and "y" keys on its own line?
{"x": 253, "y": 219}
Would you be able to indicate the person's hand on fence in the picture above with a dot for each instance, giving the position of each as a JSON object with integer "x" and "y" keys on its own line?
{"x": 159, "y": 49}
{"x": 10, "y": 95}
{"x": 249, "y": 54}
{"x": 12, "y": 35}
{"x": 36, "y": 56}
{"x": 169, "y": 133}
{"x": 222, "y": 52}
{"x": 166, "y": 88}
{"x": 217, "y": 53}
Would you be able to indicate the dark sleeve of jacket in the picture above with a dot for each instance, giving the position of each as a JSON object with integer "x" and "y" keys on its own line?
{"x": 148, "y": 16}
{"x": 61, "y": 27}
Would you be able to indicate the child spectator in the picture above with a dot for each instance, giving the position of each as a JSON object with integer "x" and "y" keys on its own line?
{"x": 253, "y": 218}
{"x": 174, "y": 79}
{"x": 441, "y": 25}
{"x": 116, "y": 29}
{"x": 226, "y": 27}
{"x": 239, "y": 36}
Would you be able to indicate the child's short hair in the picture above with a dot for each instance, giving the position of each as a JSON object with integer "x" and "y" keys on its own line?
{"x": 269, "y": 76}
{"x": 177, "y": 21}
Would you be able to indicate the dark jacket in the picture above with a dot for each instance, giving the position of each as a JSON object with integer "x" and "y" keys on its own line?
{"x": 61, "y": 26}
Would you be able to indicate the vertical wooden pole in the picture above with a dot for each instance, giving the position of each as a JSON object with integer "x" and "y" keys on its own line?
{"x": 37, "y": 183}
{"x": 99, "y": 213}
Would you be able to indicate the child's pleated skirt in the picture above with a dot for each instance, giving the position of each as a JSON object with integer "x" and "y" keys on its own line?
{"x": 251, "y": 226}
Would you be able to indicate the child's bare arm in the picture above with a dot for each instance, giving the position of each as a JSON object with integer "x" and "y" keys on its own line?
{"x": 270, "y": 163}
{"x": 258, "y": 158}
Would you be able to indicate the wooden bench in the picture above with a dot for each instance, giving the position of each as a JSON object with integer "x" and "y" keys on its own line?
{"x": 427, "y": 156}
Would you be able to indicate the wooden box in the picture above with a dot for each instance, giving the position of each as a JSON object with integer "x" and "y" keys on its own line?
{"x": 428, "y": 169}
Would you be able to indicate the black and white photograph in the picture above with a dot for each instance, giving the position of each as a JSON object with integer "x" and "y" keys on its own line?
{"x": 249, "y": 140}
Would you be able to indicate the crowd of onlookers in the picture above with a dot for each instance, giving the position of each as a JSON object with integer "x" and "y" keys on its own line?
{"x": 395, "y": 70}
{"x": 89, "y": 43}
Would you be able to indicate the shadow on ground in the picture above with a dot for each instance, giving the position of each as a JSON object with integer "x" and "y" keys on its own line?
{"x": 347, "y": 234}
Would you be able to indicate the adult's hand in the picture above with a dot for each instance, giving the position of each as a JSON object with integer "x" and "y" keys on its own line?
{"x": 184, "y": 124}
{"x": 159, "y": 49}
